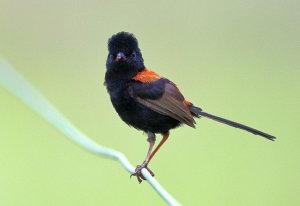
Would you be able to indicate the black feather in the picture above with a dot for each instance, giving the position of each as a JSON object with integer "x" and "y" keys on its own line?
{"x": 123, "y": 41}
{"x": 198, "y": 112}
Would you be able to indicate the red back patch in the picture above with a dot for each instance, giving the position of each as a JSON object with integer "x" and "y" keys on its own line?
{"x": 146, "y": 76}
{"x": 187, "y": 103}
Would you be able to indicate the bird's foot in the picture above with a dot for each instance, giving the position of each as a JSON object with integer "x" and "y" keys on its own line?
{"x": 138, "y": 172}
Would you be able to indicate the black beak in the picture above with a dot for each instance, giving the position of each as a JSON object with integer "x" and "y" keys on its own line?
{"x": 120, "y": 56}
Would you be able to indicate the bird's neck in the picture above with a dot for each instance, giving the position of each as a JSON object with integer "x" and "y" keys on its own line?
{"x": 118, "y": 79}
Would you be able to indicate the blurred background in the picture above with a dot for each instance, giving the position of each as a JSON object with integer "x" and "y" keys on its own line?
{"x": 236, "y": 59}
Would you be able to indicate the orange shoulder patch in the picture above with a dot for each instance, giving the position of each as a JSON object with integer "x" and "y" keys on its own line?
{"x": 146, "y": 76}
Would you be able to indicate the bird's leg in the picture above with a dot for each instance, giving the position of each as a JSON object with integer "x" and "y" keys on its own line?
{"x": 150, "y": 155}
{"x": 164, "y": 139}
{"x": 138, "y": 169}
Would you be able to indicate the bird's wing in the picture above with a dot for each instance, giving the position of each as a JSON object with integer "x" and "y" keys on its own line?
{"x": 162, "y": 96}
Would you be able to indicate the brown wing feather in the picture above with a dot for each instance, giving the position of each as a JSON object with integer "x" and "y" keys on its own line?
{"x": 171, "y": 104}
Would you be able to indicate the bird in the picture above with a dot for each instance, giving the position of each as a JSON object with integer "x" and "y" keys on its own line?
{"x": 147, "y": 101}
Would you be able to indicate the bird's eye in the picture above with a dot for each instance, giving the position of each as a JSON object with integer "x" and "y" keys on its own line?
{"x": 133, "y": 54}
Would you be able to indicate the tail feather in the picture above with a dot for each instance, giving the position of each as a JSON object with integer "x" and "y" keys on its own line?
{"x": 198, "y": 113}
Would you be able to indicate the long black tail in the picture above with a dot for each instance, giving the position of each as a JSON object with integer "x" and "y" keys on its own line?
{"x": 198, "y": 112}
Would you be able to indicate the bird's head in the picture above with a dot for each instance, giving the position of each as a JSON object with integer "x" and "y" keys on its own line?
{"x": 124, "y": 53}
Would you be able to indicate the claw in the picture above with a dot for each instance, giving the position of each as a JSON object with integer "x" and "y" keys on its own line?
{"x": 138, "y": 172}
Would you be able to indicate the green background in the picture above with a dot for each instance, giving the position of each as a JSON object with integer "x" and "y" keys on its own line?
{"x": 236, "y": 59}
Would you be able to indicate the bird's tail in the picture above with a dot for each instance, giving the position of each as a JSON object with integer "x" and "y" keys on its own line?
{"x": 199, "y": 113}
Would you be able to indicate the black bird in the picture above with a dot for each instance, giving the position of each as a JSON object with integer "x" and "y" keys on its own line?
{"x": 145, "y": 100}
